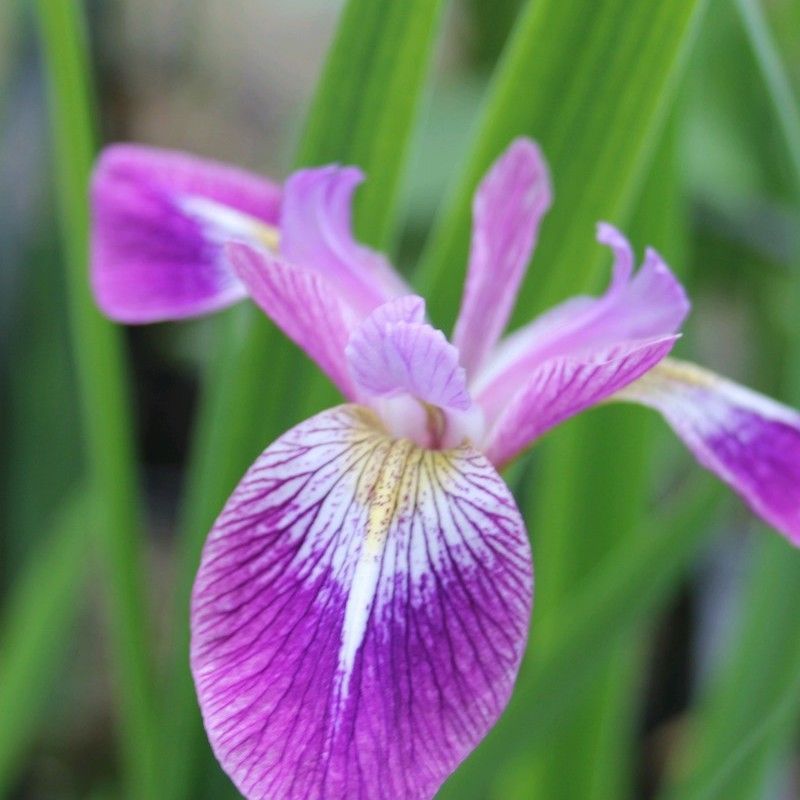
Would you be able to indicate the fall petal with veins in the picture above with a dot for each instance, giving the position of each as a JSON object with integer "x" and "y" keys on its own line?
{"x": 747, "y": 439}
{"x": 359, "y": 615}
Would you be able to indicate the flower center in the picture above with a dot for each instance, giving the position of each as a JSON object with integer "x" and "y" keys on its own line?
{"x": 223, "y": 223}
{"x": 429, "y": 426}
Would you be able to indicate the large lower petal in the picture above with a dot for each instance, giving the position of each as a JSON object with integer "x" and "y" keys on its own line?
{"x": 302, "y": 304}
{"x": 646, "y": 305}
{"x": 159, "y": 219}
{"x": 316, "y": 232}
{"x": 750, "y": 441}
{"x": 359, "y": 615}
{"x": 563, "y": 387}
{"x": 508, "y": 207}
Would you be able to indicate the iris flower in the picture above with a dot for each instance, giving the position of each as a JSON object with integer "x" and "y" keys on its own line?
{"x": 362, "y": 605}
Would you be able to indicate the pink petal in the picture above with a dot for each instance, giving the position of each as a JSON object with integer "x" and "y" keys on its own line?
{"x": 750, "y": 441}
{"x": 565, "y": 386}
{"x": 408, "y": 308}
{"x": 159, "y": 219}
{"x": 648, "y": 305}
{"x": 359, "y": 615}
{"x": 316, "y": 233}
{"x": 392, "y": 352}
{"x": 507, "y": 210}
{"x": 302, "y": 304}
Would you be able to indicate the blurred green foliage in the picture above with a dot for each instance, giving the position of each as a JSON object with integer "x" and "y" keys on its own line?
{"x": 678, "y": 120}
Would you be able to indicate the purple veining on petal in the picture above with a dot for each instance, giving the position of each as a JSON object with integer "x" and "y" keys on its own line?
{"x": 359, "y": 615}
{"x": 303, "y": 305}
{"x": 563, "y": 387}
{"x": 394, "y": 352}
{"x": 408, "y": 308}
{"x": 750, "y": 441}
{"x": 316, "y": 232}
{"x": 153, "y": 257}
{"x": 645, "y": 305}
{"x": 508, "y": 207}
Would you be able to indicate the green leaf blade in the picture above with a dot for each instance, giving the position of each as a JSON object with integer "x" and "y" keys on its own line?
{"x": 593, "y": 89}
{"x": 102, "y": 384}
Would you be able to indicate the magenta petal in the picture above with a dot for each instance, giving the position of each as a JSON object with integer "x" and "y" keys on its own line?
{"x": 159, "y": 219}
{"x": 392, "y": 351}
{"x": 302, "y": 304}
{"x": 507, "y": 209}
{"x": 316, "y": 233}
{"x": 359, "y": 615}
{"x": 748, "y": 440}
{"x": 563, "y": 387}
{"x": 647, "y": 305}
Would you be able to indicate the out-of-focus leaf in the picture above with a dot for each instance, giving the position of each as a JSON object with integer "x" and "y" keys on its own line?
{"x": 36, "y": 626}
{"x": 593, "y": 89}
{"x": 363, "y": 113}
{"x": 9, "y": 41}
{"x": 490, "y": 26}
{"x": 744, "y": 721}
{"x": 102, "y": 388}
{"x": 37, "y": 395}
{"x": 776, "y": 79}
{"x": 367, "y": 101}
{"x": 602, "y": 464}
{"x": 746, "y": 717}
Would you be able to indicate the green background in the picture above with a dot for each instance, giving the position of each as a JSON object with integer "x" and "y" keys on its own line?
{"x": 664, "y": 657}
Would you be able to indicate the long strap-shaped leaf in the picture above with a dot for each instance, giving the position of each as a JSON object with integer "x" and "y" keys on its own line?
{"x": 102, "y": 388}
{"x": 367, "y": 101}
{"x": 592, "y": 83}
{"x": 36, "y": 626}
{"x": 593, "y": 482}
{"x": 747, "y": 717}
{"x": 363, "y": 113}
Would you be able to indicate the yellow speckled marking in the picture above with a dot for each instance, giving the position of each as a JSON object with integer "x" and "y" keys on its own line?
{"x": 385, "y": 494}
{"x": 440, "y": 462}
{"x": 390, "y": 475}
{"x": 388, "y": 483}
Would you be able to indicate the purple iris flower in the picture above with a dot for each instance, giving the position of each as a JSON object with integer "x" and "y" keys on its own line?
{"x": 362, "y": 605}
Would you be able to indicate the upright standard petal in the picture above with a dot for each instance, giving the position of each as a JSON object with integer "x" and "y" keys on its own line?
{"x": 648, "y": 305}
{"x": 359, "y": 615}
{"x": 394, "y": 351}
{"x": 302, "y": 304}
{"x": 316, "y": 232}
{"x": 507, "y": 210}
{"x": 159, "y": 219}
{"x": 750, "y": 441}
{"x": 563, "y": 387}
